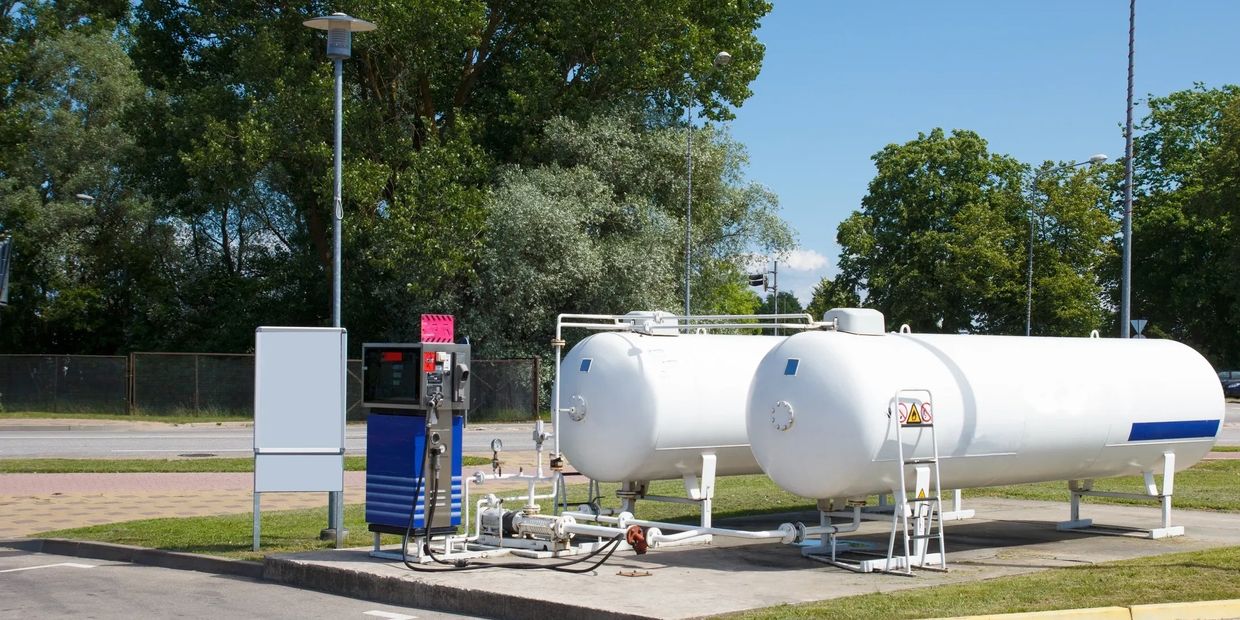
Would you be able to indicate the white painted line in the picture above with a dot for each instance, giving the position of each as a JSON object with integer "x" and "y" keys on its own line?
{"x": 69, "y": 564}
{"x": 187, "y": 435}
{"x": 250, "y": 450}
{"x": 389, "y": 615}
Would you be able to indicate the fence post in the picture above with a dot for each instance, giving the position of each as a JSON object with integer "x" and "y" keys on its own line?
{"x": 196, "y": 356}
{"x": 55, "y": 383}
{"x": 129, "y": 362}
{"x": 535, "y": 385}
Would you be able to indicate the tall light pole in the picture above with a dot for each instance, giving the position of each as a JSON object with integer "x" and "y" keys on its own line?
{"x": 721, "y": 59}
{"x": 1094, "y": 159}
{"x": 340, "y": 29}
{"x": 1125, "y": 307}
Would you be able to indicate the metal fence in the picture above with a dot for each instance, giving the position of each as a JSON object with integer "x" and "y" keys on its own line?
{"x": 206, "y": 384}
{"x": 63, "y": 383}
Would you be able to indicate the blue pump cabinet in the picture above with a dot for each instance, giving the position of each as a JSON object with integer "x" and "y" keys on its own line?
{"x": 403, "y": 386}
{"x": 395, "y": 444}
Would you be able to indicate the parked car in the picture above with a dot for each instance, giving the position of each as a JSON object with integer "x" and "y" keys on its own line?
{"x": 1231, "y": 382}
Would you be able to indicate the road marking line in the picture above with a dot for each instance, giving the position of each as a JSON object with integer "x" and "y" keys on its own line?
{"x": 389, "y": 615}
{"x": 113, "y": 437}
{"x": 191, "y": 450}
{"x": 69, "y": 564}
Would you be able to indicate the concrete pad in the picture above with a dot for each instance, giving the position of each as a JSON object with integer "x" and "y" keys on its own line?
{"x": 1009, "y": 537}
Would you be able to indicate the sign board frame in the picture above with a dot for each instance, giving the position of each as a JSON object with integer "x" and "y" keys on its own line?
{"x": 299, "y": 405}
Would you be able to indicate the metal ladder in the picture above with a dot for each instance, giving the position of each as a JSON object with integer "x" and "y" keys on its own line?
{"x": 926, "y": 508}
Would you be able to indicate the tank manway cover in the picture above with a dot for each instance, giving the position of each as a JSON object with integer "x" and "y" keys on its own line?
{"x": 863, "y": 321}
{"x": 782, "y": 416}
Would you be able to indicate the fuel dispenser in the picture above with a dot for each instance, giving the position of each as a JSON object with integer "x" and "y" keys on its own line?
{"x": 417, "y": 396}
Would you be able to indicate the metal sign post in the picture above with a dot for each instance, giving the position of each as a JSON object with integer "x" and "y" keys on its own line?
{"x": 299, "y": 392}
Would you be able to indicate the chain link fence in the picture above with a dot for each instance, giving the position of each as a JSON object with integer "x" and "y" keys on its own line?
{"x": 192, "y": 384}
{"x": 216, "y": 384}
{"x": 63, "y": 383}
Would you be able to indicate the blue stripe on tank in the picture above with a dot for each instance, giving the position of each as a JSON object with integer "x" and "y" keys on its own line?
{"x": 1184, "y": 429}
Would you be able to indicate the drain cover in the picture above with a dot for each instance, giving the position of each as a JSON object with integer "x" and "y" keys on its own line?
{"x": 196, "y": 455}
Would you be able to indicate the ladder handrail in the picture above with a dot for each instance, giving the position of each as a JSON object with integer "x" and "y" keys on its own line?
{"x": 930, "y": 509}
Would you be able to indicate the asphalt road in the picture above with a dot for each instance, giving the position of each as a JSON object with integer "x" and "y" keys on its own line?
{"x": 121, "y": 442}
{"x": 37, "y": 585}
{"x": 104, "y": 442}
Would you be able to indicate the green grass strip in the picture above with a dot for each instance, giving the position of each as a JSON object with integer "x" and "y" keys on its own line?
{"x": 1208, "y": 485}
{"x": 161, "y": 466}
{"x": 1178, "y": 577}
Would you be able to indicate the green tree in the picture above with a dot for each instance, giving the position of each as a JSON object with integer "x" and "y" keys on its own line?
{"x": 88, "y": 273}
{"x": 788, "y": 304}
{"x": 828, "y": 294}
{"x": 942, "y": 236}
{"x": 593, "y": 231}
{"x": 438, "y": 101}
{"x": 938, "y": 241}
{"x": 1186, "y": 203}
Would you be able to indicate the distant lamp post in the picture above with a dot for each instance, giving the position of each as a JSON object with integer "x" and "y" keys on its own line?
{"x": 340, "y": 29}
{"x": 722, "y": 59}
{"x": 1094, "y": 159}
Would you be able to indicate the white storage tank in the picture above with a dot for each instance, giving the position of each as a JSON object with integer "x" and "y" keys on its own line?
{"x": 646, "y": 407}
{"x": 1006, "y": 409}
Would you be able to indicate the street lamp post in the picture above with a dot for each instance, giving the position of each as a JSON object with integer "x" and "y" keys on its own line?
{"x": 340, "y": 28}
{"x": 1094, "y": 159}
{"x": 721, "y": 59}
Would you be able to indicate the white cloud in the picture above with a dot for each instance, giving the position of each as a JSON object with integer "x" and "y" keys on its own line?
{"x": 803, "y": 260}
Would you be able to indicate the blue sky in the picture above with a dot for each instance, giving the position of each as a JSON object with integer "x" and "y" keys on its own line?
{"x": 1039, "y": 79}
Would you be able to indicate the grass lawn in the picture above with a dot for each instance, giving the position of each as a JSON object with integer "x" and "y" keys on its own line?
{"x": 229, "y": 535}
{"x": 1202, "y": 575}
{"x": 1208, "y": 485}
{"x": 129, "y": 466}
{"x": 1178, "y": 577}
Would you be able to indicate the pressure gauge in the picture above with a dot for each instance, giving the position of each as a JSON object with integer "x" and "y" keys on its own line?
{"x": 496, "y": 445}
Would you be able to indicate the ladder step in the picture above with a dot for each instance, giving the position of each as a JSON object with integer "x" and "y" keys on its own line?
{"x": 922, "y": 536}
{"x": 928, "y": 498}
{"x": 928, "y": 459}
{"x": 921, "y": 425}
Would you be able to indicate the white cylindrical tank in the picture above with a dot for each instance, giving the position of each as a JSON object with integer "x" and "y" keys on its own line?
{"x": 646, "y": 407}
{"x": 1006, "y": 409}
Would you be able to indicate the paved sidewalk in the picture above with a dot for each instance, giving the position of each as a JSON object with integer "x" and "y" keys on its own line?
{"x": 33, "y": 503}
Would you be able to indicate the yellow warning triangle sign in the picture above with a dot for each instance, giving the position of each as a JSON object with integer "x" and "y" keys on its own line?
{"x": 921, "y": 494}
{"x": 914, "y": 416}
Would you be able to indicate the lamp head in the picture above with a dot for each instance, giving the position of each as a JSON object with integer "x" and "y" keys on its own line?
{"x": 1097, "y": 158}
{"x": 723, "y": 59}
{"x": 340, "y": 28}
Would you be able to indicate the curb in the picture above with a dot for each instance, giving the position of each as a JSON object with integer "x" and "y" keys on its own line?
{"x": 416, "y": 593}
{"x": 138, "y": 555}
{"x": 1199, "y": 610}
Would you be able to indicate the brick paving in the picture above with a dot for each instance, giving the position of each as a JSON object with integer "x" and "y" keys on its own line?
{"x": 33, "y": 503}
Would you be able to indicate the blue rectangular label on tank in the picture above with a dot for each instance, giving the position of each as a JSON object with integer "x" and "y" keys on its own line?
{"x": 585, "y": 365}
{"x": 791, "y": 368}
{"x": 1185, "y": 429}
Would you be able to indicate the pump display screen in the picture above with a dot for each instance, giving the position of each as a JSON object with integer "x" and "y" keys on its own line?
{"x": 392, "y": 375}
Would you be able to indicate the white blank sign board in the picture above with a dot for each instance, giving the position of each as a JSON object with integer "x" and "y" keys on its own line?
{"x": 299, "y": 392}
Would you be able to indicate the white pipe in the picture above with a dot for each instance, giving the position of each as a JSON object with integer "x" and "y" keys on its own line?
{"x": 786, "y": 534}
{"x": 785, "y": 530}
{"x": 601, "y": 531}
